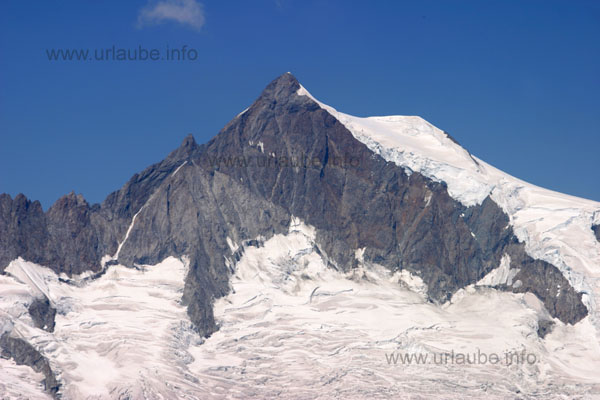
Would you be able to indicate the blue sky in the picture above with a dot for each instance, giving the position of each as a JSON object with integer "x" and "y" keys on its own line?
{"x": 515, "y": 82}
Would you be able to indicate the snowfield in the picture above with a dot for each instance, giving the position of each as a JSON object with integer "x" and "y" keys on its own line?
{"x": 294, "y": 328}
{"x": 20, "y": 382}
{"x": 123, "y": 334}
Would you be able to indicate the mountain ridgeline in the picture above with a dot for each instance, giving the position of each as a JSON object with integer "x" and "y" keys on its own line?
{"x": 284, "y": 156}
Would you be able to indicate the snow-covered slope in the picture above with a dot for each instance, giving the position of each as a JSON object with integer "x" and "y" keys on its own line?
{"x": 123, "y": 334}
{"x": 555, "y": 227}
{"x": 293, "y": 328}
{"x": 20, "y": 382}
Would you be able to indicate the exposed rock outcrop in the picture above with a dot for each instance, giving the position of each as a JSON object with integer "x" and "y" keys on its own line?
{"x": 42, "y": 313}
{"x": 25, "y": 354}
{"x": 545, "y": 326}
{"x": 23, "y": 230}
{"x": 69, "y": 237}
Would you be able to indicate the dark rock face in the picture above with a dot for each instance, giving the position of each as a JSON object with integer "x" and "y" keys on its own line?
{"x": 596, "y": 229}
{"x": 25, "y": 354}
{"x": 67, "y": 238}
{"x": 42, "y": 313}
{"x": 74, "y": 239}
{"x": 545, "y": 326}
{"x": 283, "y": 157}
{"x": 354, "y": 198}
{"x": 548, "y": 284}
{"x": 23, "y": 230}
{"x": 72, "y": 236}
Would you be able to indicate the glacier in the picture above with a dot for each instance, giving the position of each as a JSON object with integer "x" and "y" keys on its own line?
{"x": 292, "y": 327}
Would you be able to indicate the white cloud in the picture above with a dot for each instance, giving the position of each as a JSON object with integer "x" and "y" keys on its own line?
{"x": 185, "y": 12}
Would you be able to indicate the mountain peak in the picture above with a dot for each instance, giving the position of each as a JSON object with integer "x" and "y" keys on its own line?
{"x": 281, "y": 88}
{"x": 286, "y": 79}
{"x": 189, "y": 142}
{"x": 187, "y": 147}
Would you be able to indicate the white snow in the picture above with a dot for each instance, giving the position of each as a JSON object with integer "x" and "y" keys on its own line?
{"x": 290, "y": 328}
{"x": 178, "y": 168}
{"x": 125, "y": 332}
{"x": 20, "y": 382}
{"x": 232, "y": 246}
{"x": 35, "y": 279}
{"x": 501, "y": 275}
{"x": 294, "y": 328}
{"x": 412, "y": 282}
{"x": 242, "y": 113}
{"x": 129, "y": 229}
{"x": 260, "y": 145}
